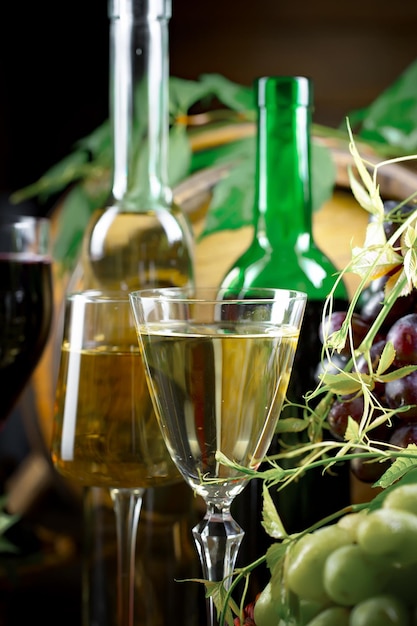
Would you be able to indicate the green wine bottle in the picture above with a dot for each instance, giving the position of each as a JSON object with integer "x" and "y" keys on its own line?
{"x": 283, "y": 254}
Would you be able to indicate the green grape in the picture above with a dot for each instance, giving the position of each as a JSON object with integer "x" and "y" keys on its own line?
{"x": 266, "y": 611}
{"x": 351, "y": 523}
{"x": 350, "y": 575}
{"x": 403, "y": 583}
{"x": 383, "y": 610}
{"x": 390, "y": 533}
{"x": 333, "y": 616}
{"x": 403, "y": 497}
{"x": 304, "y": 574}
{"x": 309, "y": 609}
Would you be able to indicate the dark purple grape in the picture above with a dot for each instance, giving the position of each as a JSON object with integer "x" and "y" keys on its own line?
{"x": 332, "y": 323}
{"x": 403, "y": 335}
{"x": 394, "y": 217}
{"x": 401, "y": 392}
{"x": 375, "y": 286}
{"x": 352, "y": 406}
{"x": 340, "y": 410}
{"x": 368, "y": 471}
{"x": 338, "y": 362}
{"x": 404, "y": 435}
{"x": 401, "y": 307}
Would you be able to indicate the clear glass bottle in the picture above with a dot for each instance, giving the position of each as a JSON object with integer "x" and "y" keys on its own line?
{"x": 141, "y": 239}
{"x": 283, "y": 254}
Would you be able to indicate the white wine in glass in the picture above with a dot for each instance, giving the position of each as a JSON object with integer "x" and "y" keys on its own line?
{"x": 218, "y": 369}
{"x": 105, "y": 432}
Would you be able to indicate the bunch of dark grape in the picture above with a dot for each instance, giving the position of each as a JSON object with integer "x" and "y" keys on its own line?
{"x": 400, "y": 328}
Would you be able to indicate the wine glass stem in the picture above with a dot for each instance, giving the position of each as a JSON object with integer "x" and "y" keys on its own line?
{"x": 217, "y": 537}
{"x": 127, "y": 504}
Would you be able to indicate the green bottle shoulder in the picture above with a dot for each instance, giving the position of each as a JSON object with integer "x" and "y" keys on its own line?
{"x": 308, "y": 270}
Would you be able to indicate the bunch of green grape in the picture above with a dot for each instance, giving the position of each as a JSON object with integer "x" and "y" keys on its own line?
{"x": 360, "y": 571}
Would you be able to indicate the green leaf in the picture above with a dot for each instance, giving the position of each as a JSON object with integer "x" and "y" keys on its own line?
{"x": 183, "y": 94}
{"x": 342, "y": 384}
{"x": 231, "y": 152}
{"x": 399, "y": 468}
{"x": 352, "y": 429}
{"x": 218, "y": 593}
{"x": 323, "y": 175}
{"x": 75, "y": 212}
{"x": 291, "y": 425}
{"x": 97, "y": 142}
{"x": 392, "y": 117}
{"x": 274, "y": 556}
{"x": 271, "y": 520}
{"x": 70, "y": 169}
{"x": 179, "y": 161}
{"x": 234, "y": 96}
{"x": 7, "y": 521}
{"x": 386, "y": 359}
{"x": 398, "y": 373}
{"x": 232, "y": 203}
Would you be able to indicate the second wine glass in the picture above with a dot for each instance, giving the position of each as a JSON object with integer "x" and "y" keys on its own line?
{"x": 26, "y": 302}
{"x": 105, "y": 433}
{"x": 218, "y": 368}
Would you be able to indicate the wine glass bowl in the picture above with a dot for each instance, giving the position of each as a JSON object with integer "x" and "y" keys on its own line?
{"x": 105, "y": 432}
{"x": 218, "y": 366}
{"x": 26, "y": 302}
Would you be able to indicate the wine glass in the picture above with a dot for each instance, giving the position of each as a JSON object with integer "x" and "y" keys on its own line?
{"x": 218, "y": 368}
{"x": 105, "y": 433}
{"x": 26, "y": 302}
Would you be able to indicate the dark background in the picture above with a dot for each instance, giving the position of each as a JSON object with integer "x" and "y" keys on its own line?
{"x": 54, "y": 62}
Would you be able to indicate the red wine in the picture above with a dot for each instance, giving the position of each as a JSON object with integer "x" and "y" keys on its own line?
{"x": 26, "y": 305}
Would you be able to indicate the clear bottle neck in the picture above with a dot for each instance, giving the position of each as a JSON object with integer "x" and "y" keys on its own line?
{"x": 139, "y": 101}
{"x": 283, "y": 184}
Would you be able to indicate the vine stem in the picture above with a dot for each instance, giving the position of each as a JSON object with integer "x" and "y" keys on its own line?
{"x": 127, "y": 504}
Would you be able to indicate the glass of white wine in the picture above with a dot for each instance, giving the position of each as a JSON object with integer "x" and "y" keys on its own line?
{"x": 218, "y": 366}
{"x": 105, "y": 433}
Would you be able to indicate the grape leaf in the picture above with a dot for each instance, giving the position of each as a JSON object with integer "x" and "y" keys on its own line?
{"x": 399, "y": 468}
{"x": 392, "y": 117}
{"x": 234, "y": 96}
{"x": 271, "y": 520}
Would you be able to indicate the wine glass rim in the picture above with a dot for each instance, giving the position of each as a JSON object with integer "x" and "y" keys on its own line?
{"x": 99, "y": 295}
{"x": 217, "y": 294}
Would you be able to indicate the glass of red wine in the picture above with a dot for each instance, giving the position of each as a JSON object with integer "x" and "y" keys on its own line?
{"x": 26, "y": 302}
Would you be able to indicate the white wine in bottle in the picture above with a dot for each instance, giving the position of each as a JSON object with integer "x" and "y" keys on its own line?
{"x": 141, "y": 239}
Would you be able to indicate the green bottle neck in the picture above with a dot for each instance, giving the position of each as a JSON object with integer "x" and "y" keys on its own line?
{"x": 283, "y": 185}
{"x": 139, "y": 114}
